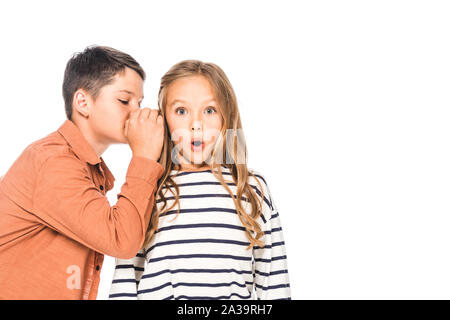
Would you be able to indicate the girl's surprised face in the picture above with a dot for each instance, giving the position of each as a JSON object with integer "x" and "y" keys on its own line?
{"x": 193, "y": 118}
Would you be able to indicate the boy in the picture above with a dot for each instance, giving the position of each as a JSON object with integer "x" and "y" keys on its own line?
{"x": 55, "y": 220}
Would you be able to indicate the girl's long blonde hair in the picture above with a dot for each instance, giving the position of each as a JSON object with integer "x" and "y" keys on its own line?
{"x": 227, "y": 103}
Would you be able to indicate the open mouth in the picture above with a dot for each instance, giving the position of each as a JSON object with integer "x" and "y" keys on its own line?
{"x": 197, "y": 145}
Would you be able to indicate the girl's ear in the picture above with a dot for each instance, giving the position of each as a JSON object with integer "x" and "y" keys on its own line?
{"x": 81, "y": 103}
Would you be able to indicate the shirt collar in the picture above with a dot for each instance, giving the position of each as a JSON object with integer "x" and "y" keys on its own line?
{"x": 78, "y": 142}
{"x": 108, "y": 175}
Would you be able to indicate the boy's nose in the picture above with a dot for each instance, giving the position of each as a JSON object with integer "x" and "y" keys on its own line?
{"x": 134, "y": 106}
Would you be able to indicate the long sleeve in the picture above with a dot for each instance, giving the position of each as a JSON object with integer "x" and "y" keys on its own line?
{"x": 67, "y": 200}
{"x": 271, "y": 280}
{"x": 126, "y": 278}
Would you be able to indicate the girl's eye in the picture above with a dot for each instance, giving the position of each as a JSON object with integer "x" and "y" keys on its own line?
{"x": 123, "y": 102}
{"x": 180, "y": 111}
{"x": 211, "y": 110}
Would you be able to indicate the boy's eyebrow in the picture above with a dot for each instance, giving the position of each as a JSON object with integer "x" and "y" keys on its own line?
{"x": 129, "y": 92}
{"x": 123, "y": 90}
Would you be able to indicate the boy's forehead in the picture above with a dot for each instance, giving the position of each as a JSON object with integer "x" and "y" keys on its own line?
{"x": 128, "y": 82}
{"x": 128, "y": 75}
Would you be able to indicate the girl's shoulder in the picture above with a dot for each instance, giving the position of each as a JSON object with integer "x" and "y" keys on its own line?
{"x": 259, "y": 183}
{"x": 256, "y": 178}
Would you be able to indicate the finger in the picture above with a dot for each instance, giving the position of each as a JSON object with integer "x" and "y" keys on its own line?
{"x": 153, "y": 115}
{"x": 144, "y": 113}
{"x": 126, "y": 127}
{"x": 135, "y": 114}
{"x": 159, "y": 120}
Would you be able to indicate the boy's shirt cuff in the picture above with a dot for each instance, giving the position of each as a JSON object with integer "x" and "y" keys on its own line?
{"x": 146, "y": 169}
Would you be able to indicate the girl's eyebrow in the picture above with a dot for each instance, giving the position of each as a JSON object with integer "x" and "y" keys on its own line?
{"x": 183, "y": 101}
{"x": 209, "y": 100}
{"x": 176, "y": 101}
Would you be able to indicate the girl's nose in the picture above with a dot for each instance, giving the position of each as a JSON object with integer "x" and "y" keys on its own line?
{"x": 196, "y": 126}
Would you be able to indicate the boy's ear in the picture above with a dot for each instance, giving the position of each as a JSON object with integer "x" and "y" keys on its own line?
{"x": 81, "y": 103}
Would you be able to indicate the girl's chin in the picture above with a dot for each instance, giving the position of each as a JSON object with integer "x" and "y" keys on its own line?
{"x": 197, "y": 159}
{"x": 194, "y": 158}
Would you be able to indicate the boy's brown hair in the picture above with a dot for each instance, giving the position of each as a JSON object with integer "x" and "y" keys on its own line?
{"x": 93, "y": 69}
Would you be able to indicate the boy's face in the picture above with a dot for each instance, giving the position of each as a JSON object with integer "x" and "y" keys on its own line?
{"x": 113, "y": 105}
{"x": 193, "y": 118}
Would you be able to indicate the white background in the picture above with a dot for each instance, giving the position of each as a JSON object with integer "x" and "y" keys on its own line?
{"x": 345, "y": 107}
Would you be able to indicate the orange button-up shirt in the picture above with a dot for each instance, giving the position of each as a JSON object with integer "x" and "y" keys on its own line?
{"x": 56, "y": 222}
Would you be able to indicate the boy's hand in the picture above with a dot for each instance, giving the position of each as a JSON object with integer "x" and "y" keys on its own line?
{"x": 144, "y": 130}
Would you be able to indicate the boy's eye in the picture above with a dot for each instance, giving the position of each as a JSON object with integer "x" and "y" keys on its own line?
{"x": 211, "y": 110}
{"x": 123, "y": 102}
{"x": 180, "y": 111}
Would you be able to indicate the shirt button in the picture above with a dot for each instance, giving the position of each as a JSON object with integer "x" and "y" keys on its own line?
{"x": 101, "y": 188}
{"x": 97, "y": 268}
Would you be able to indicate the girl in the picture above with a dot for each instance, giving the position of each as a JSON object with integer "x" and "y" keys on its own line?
{"x": 215, "y": 232}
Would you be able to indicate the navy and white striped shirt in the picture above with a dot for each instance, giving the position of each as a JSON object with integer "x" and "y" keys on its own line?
{"x": 201, "y": 253}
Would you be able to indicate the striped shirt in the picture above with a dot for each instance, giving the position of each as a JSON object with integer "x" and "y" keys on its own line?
{"x": 201, "y": 252}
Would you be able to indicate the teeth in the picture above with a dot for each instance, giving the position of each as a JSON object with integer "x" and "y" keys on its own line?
{"x": 197, "y": 143}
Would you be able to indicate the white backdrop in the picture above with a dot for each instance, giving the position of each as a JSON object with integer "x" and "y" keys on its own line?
{"x": 345, "y": 107}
